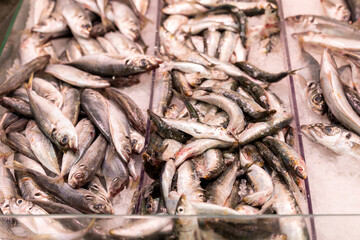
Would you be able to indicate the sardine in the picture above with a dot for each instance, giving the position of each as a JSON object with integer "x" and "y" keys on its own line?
{"x": 116, "y": 65}
{"x": 76, "y": 77}
{"x": 86, "y": 134}
{"x": 106, "y": 45}
{"x": 334, "y": 94}
{"x": 84, "y": 170}
{"x": 96, "y": 108}
{"x": 71, "y": 108}
{"x": 77, "y": 19}
{"x": 115, "y": 172}
{"x": 125, "y": 20}
{"x": 19, "y": 143}
{"x": 73, "y": 50}
{"x": 174, "y": 22}
{"x": 45, "y": 89}
{"x": 90, "y": 46}
{"x": 17, "y": 106}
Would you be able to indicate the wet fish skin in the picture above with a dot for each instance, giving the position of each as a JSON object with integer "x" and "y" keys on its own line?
{"x": 54, "y": 24}
{"x": 336, "y": 9}
{"x": 96, "y": 108}
{"x": 174, "y": 22}
{"x": 115, "y": 172}
{"x": 353, "y": 98}
{"x": 354, "y": 7}
{"x": 73, "y": 50}
{"x": 130, "y": 108}
{"x": 125, "y": 20}
{"x": 210, "y": 164}
{"x": 288, "y": 155}
{"x": 184, "y": 8}
{"x": 86, "y": 134}
{"x": 77, "y": 19}
{"x": 42, "y": 147}
{"x": 166, "y": 93}
{"x": 76, "y": 77}
{"x": 71, "y": 108}
{"x": 19, "y": 143}
{"x": 23, "y": 74}
{"x": 17, "y": 106}
{"x": 84, "y": 170}
{"x": 334, "y": 137}
{"x": 212, "y": 39}
{"x": 334, "y": 94}
{"x": 7, "y": 119}
{"x": 109, "y": 65}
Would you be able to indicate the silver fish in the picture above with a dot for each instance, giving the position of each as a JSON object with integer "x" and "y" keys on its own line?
{"x": 120, "y": 132}
{"x": 90, "y": 46}
{"x": 184, "y": 8}
{"x": 42, "y": 147}
{"x": 106, "y": 45}
{"x": 174, "y": 22}
{"x": 115, "y": 172}
{"x": 334, "y": 137}
{"x": 48, "y": 91}
{"x": 71, "y": 108}
{"x": 125, "y": 20}
{"x": 142, "y": 6}
{"x": 188, "y": 182}
{"x": 86, "y": 134}
{"x": 73, "y": 50}
{"x": 122, "y": 44}
{"x": 336, "y": 9}
{"x": 77, "y": 19}
{"x": 84, "y": 170}
{"x": 54, "y": 24}
{"x": 76, "y": 77}
{"x": 334, "y": 94}
{"x": 212, "y": 39}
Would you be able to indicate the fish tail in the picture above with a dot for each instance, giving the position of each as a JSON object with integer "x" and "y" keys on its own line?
{"x": 105, "y": 21}
{"x": 17, "y": 166}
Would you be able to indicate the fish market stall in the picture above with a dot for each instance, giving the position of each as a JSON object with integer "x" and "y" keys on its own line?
{"x": 197, "y": 119}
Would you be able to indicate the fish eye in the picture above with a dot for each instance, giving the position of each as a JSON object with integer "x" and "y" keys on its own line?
{"x": 19, "y": 201}
{"x": 79, "y": 176}
{"x": 86, "y": 26}
{"x": 180, "y": 209}
{"x": 317, "y": 98}
{"x": 98, "y": 206}
{"x": 298, "y": 18}
{"x": 127, "y": 150}
{"x": 64, "y": 140}
{"x": 330, "y": 130}
{"x": 143, "y": 63}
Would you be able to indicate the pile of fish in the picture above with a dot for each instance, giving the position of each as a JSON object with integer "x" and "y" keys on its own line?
{"x": 332, "y": 87}
{"x": 72, "y": 133}
{"x": 221, "y": 141}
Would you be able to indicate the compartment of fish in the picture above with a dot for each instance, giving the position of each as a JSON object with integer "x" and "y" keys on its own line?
{"x": 74, "y": 90}
{"x": 221, "y": 140}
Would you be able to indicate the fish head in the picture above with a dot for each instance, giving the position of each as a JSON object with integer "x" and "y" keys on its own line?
{"x": 98, "y": 205}
{"x": 315, "y": 99}
{"x": 124, "y": 151}
{"x": 20, "y": 206}
{"x": 184, "y": 207}
{"x": 325, "y": 134}
{"x": 79, "y": 177}
{"x": 84, "y": 28}
{"x": 299, "y": 21}
{"x": 117, "y": 185}
{"x": 66, "y": 137}
{"x": 143, "y": 62}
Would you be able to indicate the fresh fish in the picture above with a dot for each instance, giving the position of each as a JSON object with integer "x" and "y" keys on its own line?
{"x": 353, "y": 99}
{"x": 123, "y": 45}
{"x": 96, "y": 108}
{"x": 95, "y": 186}
{"x": 246, "y": 210}
{"x": 142, "y": 228}
{"x": 86, "y": 134}
{"x": 236, "y": 116}
{"x": 56, "y": 23}
{"x": 19, "y": 143}
{"x": 77, "y": 19}
{"x": 334, "y": 94}
{"x": 84, "y": 170}
{"x": 291, "y": 159}
{"x": 116, "y": 65}
{"x": 181, "y": 84}
{"x": 354, "y": 7}
{"x": 23, "y": 73}
{"x": 186, "y": 227}
{"x": 120, "y": 132}
{"x": 20, "y": 93}
{"x": 218, "y": 191}
{"x": 184, "y": 8}
{"x": 240, "y": 52}
{"x": 328, "y": 41}
{"x": 212, "y": 39}
{"x": 188, "y": 182}
{"x": 197, "y": 147}
{"x": 8, "y": 188}
{"x": 115, "y": 172}
{"x": 52, "y": 122}
{"x": 73, "y": 50}
{"x": 100, "y": 29}
{"x": 42, "y": 148}
{"x": 165, "y": 82}
{"x": 28, "y": 187}
{"x": 7, "y": 119}
{"x": 71, "y": 108}
{"x": 106, "y": 45}
{"x": 178, "y": 50}
{"x": 260, "y": 181}
{"x": 334, "y": 137}
{"x": 130, "y": 108}
{"x": 90, "y": 46}
{"x": 17, "y": 106}
{"x": 46, "y": 90}
{"x": 210, "y": 164}
{"x": 174, "y": 22}
{"x": 198, "y": 27}
{"x": 227, "y": 45}
{"x": 336, "y": 9}
{"x": 125, "y": 20}
{"x": 142, "y": 6}
{"x": 102, "y": 6}
{"x": 76, "y": 77}
{"x": 284, "y": 203}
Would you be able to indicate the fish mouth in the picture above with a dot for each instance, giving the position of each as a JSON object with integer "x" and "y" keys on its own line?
{"x": 307, "y": 131}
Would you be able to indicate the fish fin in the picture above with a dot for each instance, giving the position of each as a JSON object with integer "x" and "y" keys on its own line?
{"x": 17, "y": 166}
{"x": 28, "y": 86}
{"x": 105, "y": 21}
